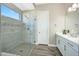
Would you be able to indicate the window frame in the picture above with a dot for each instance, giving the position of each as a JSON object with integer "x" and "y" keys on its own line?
{"x": 12, "y": 10}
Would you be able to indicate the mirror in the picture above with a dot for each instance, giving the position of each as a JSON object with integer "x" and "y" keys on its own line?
{"x": 72, "y": 21}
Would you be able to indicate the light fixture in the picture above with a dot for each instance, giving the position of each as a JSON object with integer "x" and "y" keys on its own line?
{"x": 74, "y": 9}
{"x": 69, "y": 9}
{"x": 74, "y": 5}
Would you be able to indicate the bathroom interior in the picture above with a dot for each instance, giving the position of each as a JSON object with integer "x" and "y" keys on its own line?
{"x": 39, "y": 29}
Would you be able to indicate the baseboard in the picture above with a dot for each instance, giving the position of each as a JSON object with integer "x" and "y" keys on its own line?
{"x": 52, "y": 45}
{"x": 36, "y": 43}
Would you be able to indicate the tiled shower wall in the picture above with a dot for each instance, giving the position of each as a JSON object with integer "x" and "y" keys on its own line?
{"x": 29, "y": 18}
{"x": 11, "y": 33}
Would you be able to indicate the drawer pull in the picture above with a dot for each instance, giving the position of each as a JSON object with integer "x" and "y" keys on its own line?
{"x": 70, "y": 44}
{"x": 58, "y": 41}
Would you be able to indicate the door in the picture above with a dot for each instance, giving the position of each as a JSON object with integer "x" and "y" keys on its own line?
{"x": 43, "y": 26}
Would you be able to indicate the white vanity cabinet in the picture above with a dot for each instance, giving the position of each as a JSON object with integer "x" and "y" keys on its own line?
{"x": 66, "y": 47}
{"x": 60, "y": 44}
{"x": 71, "y": 48}
{"x": 70, "y": 52}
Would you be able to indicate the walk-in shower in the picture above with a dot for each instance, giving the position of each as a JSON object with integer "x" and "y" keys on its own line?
{"x": 17, "y": 36}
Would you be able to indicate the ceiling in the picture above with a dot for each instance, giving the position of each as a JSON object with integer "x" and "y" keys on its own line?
{"x": 40, "y": 3}
{"x": 27, "y": 6}
{"x": 31, "y": 6}
{"x": 24, "y": 6}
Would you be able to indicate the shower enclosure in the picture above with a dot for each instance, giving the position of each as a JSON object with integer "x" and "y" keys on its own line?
{"x": 17, "y": 36}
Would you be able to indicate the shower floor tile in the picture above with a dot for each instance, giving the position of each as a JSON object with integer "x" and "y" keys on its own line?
{"x": 23, "y": 49}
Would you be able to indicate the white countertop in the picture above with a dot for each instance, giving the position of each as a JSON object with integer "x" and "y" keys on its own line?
{"x": 67, "y": 36}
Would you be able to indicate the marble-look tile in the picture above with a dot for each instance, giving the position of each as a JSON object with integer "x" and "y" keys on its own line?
{"x": 22, "y": 49}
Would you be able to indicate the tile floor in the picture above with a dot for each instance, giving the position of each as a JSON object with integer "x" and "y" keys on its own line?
{"x": 22, "y": 49}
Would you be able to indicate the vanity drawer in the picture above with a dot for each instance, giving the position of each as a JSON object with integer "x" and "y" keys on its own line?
{"x": 72, "y": 45}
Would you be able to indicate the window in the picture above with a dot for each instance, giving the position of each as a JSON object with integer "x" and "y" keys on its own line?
{"x": 6, "y": 11}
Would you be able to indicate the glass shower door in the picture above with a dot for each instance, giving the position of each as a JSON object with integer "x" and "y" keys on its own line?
{"x": 30, "y": 26}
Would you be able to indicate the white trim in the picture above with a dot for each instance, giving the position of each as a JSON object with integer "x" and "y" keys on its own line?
{"x": 48, "y": 25}
{"x": 36, "y": 43}
{"x": 52, "y": 45}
